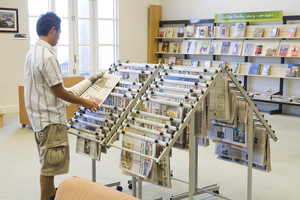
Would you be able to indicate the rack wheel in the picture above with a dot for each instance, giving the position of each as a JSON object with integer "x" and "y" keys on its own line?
{"x": 216, "y": 192}
{"x": 130, "y": 186}
{"x": 119, "y": 187}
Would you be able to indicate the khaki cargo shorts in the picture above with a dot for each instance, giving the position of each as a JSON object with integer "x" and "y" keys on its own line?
{"x": 53, "y": 147}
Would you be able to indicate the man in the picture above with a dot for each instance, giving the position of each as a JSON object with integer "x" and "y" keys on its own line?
{"x": 44, "y": 95}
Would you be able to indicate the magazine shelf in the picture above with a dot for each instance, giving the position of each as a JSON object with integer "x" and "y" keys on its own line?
{"x": 267, "y": 41}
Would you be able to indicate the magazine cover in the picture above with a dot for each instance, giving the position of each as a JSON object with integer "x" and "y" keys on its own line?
{"x": 165, "y": 47}
{"x": 292, "y": 70}
{"x": 253, "y": 68}
{"x": 294, "y": 52}
{"x": 275, "y": 32}
{"x": 225, "y": 47}
{"x": 283, "y": 50}
{"x": 210, "y": 31}
{"x": 258, "y": 32}
{"x": 180, "y": 31}
{"x": 248, "y": 50}
{"x": 271, "y": 51}
{"x": 291, "y": 31}
{"x": 224, "y": 30}
{"x": 258, "y": 50}
{"x": 239, "y": 30}
{"x": 265, "y": 71}
{"x": 235, "y": 49}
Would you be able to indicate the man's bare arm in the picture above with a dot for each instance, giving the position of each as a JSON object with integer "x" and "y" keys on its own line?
{"x": 60, "y": 92}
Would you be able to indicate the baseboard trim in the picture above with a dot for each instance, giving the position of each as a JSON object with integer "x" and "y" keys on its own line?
{"x": 9, "y": 109}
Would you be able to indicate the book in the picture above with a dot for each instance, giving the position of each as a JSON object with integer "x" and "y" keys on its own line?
{"x": 258, "y": 50}
{"x": 253, "y": 68}
{"x": 291, "y": 32}
{"x": 265, "y": 70}
{"x": 191, "y": 47}
{"x": 271, "y": 51}
{"x": 165, "y": 47}
{"x": 160, "y": 45}
{"x": 283, "y": 50}
{"x": 275, "y": 32}
{"x": 224, "y": 30}
{"x": 210, "y": 31}
{"x": 207, "y": 63}
{"x": 169, "y": 32}
{"x": 189, "y": 31}
{"x": 197, "y": 31}
{"x": 172, "y": 60}
{"x": 294, "y": 52}
{"x": 292, "y": 70}
{"x": 212, "y": 49}
{"x": 161, "y": 32}
{"x": 236, "y": 68}
{"x": 258, "y": 32}
{"x": 225, "y": 47}
{"x": 180, "y": 31}
{"x": 184, "y": 46}
{"x": 235, "y": 49}
{"x": 203, "y": 47}
{"x": 173, "y": 47}
{"x": 239, "y": 30}
{"x": 178, "y": 62}
{"x": 248, "y": 50}
{"x": 203, "y": 31}
{"x": 194, "y": 63}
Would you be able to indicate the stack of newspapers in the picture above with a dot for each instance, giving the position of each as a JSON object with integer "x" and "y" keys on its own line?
{"x": 229, "y": 128}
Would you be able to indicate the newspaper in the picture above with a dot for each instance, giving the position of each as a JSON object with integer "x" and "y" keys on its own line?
{"x": 88, "y": 147}
{"x": 138, "y": 165}
{"x": 219, "y": 108}
{"x": 227, "y": 150}
{"x": 100, "y": 90}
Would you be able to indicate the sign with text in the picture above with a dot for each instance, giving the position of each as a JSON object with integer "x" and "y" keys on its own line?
{"x": 249, "y": 17}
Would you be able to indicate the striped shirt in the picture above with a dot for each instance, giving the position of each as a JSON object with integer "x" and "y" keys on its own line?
{"x": 42, "y": 71}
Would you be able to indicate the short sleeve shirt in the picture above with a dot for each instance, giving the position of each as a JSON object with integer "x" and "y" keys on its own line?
{"x": 42, "y": 71}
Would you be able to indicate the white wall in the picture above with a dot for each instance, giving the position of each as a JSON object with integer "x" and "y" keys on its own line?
{"x": 134, "y": 29}
{"x": 12, "y": 58}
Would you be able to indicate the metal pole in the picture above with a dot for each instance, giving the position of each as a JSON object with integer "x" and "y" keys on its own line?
{"x": 250, "y": 151}
{"x": 94, "y": 170}
{"x": 191, "y": 159}
{"x": 134, "y": 186}
{"x": 140, "y": 185}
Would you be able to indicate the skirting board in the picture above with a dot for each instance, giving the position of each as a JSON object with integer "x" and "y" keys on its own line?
{"x": 9, "y": 109}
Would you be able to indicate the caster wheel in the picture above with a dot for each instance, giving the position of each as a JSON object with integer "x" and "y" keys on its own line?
{"x": 119, "y": 188}
{"x": 216, "y": 192}
{"x": 130, "y": 186}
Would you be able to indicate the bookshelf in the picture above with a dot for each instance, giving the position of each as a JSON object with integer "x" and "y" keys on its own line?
{"x": 277, "y": 62}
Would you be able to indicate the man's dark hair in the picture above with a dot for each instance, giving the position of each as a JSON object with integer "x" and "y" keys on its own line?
{"x": 46, "y": 22}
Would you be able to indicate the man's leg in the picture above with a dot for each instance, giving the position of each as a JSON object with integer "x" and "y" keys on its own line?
{"x": 47, "y": 187}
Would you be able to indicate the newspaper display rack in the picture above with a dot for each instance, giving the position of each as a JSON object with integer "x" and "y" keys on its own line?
{"x": 158, "y": 112}
{"x": 94, "y": 129}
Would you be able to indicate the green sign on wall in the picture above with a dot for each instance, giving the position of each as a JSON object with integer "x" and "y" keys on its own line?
{"x": 249, "y": 17}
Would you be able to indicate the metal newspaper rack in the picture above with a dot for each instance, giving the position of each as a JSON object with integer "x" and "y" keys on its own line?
{"x": 191, "y": 99}
{"x": 194, "y": 88}
{"x": 100, "y": 126}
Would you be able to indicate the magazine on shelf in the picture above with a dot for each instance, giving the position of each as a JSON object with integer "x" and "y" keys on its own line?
{"x": 207, "y": 63}
{"x": 210, "y": 31}
{"x": 161, "y": 32}
{"x": 160, "y": 45}
{"x": 258, "y": 49}
{"x": 275, "y": 32}
{"x": 291, "y": 32}
{"x": 203, "y": 31}
{"x": 189, "y": 31}
{"x": 258, "y": 32}
{"x": 224, "y": 30}
{"x": 180, "y": 31}
{"x": 225, "y": 47}
{"x": 295, "y": 50}
{"x": 292, "y": 70}
{"x": 265, "y": 70}
{"x": 283, "y": 50}
{"x": 212, "y": 48}
{"x": 173, "y": 47}
{"x": 253, "y": 68}
{"x": 271, "y": 51}
{"x": 236, "y": 68}
{"x": 169, "y": 32}
{"x": 194, "y": 63}
{"x": 191, "y": 47}
{"x": 248, "y": 49}
{"x": 197, "y": 31}
{"x": 179, "y": 61}
{"x": 165, "y": 47}
{"x": 239, "y": 30}
{"x": 172, "y": 60}
{"x": 203, "y": 47}
{"x": 236, "y": 50}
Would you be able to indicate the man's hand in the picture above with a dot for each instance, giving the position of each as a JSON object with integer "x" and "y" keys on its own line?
{"x": 92, "y": 106}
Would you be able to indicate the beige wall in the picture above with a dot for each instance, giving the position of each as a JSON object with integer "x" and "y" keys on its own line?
{"x": 12, "y": 57}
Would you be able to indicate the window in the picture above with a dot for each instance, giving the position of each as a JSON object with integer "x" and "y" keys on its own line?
{"x": 88, "y": 41}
